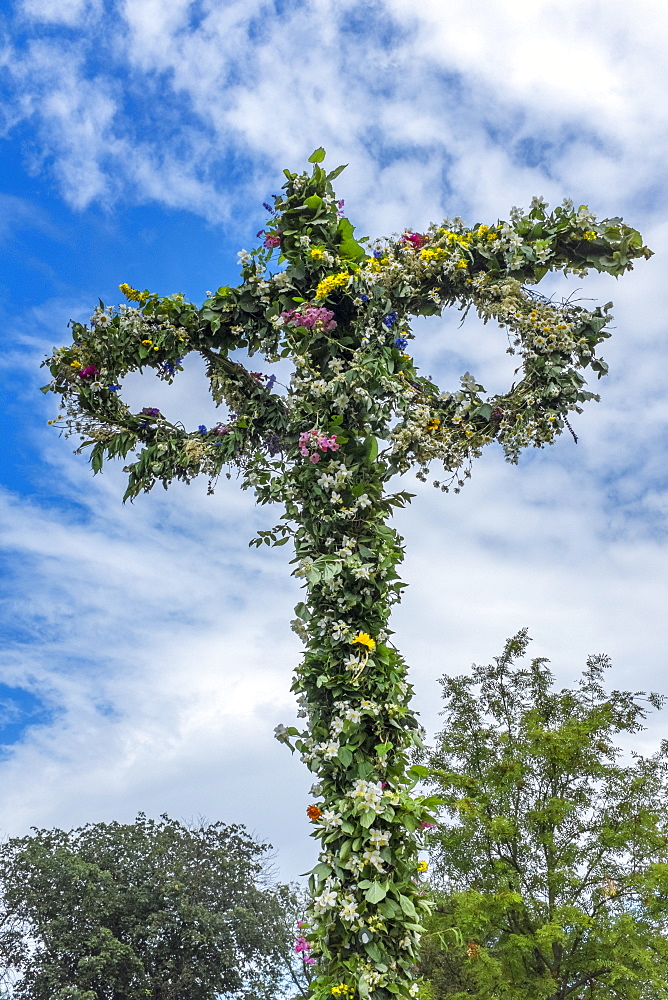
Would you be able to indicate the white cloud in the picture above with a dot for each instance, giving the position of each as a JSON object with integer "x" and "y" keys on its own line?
{"x": 72, "y": 13}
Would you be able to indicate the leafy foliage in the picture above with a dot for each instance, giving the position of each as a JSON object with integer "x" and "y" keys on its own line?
{"x": 129, "y": 911}
{"x": 552, "y": 862}
{"x": 356, "y": 412}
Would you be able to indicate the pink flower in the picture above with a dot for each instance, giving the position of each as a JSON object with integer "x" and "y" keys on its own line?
{"x": 315, "y": 458}
{"x": 425, "y": 825}
{"x": 417, "y": 239}
{"x": 271, "y": 241}
{"x": 88, "y": 372}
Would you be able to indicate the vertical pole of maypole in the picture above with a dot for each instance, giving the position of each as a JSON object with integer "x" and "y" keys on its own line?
{"x": 367, "y": 903}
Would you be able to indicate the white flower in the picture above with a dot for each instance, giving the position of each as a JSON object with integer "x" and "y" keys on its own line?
{"x": 352, "y": 715}
{"x": 374, "y": 858}
{"x": 330, "y": 819}
{"x": 363, "y": 501}
{"x": 349, "y": 909}
{"x": 325, "y": 901}
{"x": 379, "y": 838}
{"x": 336, "y": 727}
{"x": 328, "y": 750}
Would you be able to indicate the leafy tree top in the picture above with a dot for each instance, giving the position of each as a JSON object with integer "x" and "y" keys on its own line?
{"x": 154, "y": 908}
{"x": 553, "y": 859}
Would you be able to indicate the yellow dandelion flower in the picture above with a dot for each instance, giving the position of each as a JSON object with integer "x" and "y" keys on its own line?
{"x": 75, "y": 364}
{"x": 317, "y": 253}
{"x": 364, "y": 639}
{"x": 434, "y": 424}
{"x": 462, "y": 263}
{"x": 422, "y": 866}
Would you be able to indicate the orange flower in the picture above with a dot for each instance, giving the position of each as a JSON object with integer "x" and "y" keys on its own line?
{"x": 314, "y": 813}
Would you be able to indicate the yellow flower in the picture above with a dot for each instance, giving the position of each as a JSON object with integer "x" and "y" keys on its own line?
{"x": 342, "y": 990}
{"x": 462, "y": 263}
{"x": 317, "y": 253}
{"x": 364, "y": 639}
{"x": 422, "y": 866}
{"x": 147, "y": 343}
{"x": 329, "y": 283}
{"x": 438, "y": 254}
{"x": 132, "y": 294}
{"x": 75, "y": 364}
{"x": 589, "y": 235}
{"x": 434, "y": 424}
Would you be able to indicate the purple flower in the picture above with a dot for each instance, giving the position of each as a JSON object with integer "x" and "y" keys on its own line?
{"x": 150, "y": 411}
{"x": 88, "y": 372}
{"x": 273, "y": 443}
{"x": 272, "y": 240}
{"x": 268, "y": 207}
{"x": 364, "y": 298}
{"x": 270, "y": 382}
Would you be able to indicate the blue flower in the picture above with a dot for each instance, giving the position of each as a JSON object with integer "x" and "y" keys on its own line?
{"x": 378, "y": 254}
{"x": 113, "y": 388}
{"x": 390, "y": 319}
{"x": 364, "y": 298}
{"x": 270, "y": 382}
{"x": 401, "y": 343}
{"x": 202, "y": 429}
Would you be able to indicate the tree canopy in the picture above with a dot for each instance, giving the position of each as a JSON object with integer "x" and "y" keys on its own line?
{"x": 550, "y": 866}
{"x": 151, "y": 909}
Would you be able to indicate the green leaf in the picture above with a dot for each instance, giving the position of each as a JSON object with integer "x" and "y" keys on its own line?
{"x": 314, "y": 202}
{"x": 333, "y": 174}
{"x": 419, "y": 771}
{"x": 371, "y": 448}
{"x": 345, "y": 756}
{"x": 407, "y": 906}
{"x": 377, "y": 892}
{"x": 317, "y": 156}
{"x": 321, "y": 870}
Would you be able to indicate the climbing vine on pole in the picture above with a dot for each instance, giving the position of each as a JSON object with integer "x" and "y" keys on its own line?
{"x": 356, "y": 412}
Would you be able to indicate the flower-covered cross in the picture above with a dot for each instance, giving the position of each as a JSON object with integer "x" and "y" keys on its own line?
{"x": 356, "y": 412}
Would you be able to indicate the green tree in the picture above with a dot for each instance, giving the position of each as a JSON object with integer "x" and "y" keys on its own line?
{"x": 327, "y": 448}
{"x": 151, "y": 909}
{"x": 550, "y": 866}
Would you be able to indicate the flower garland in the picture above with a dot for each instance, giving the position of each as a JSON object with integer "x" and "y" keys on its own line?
{"x": 356, "y": 412}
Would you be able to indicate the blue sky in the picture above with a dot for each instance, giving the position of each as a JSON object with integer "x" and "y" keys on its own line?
{"x": 146, "y": 651}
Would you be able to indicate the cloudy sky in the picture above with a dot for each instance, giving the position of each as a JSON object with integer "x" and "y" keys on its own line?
{"x": 146, "y": 653}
